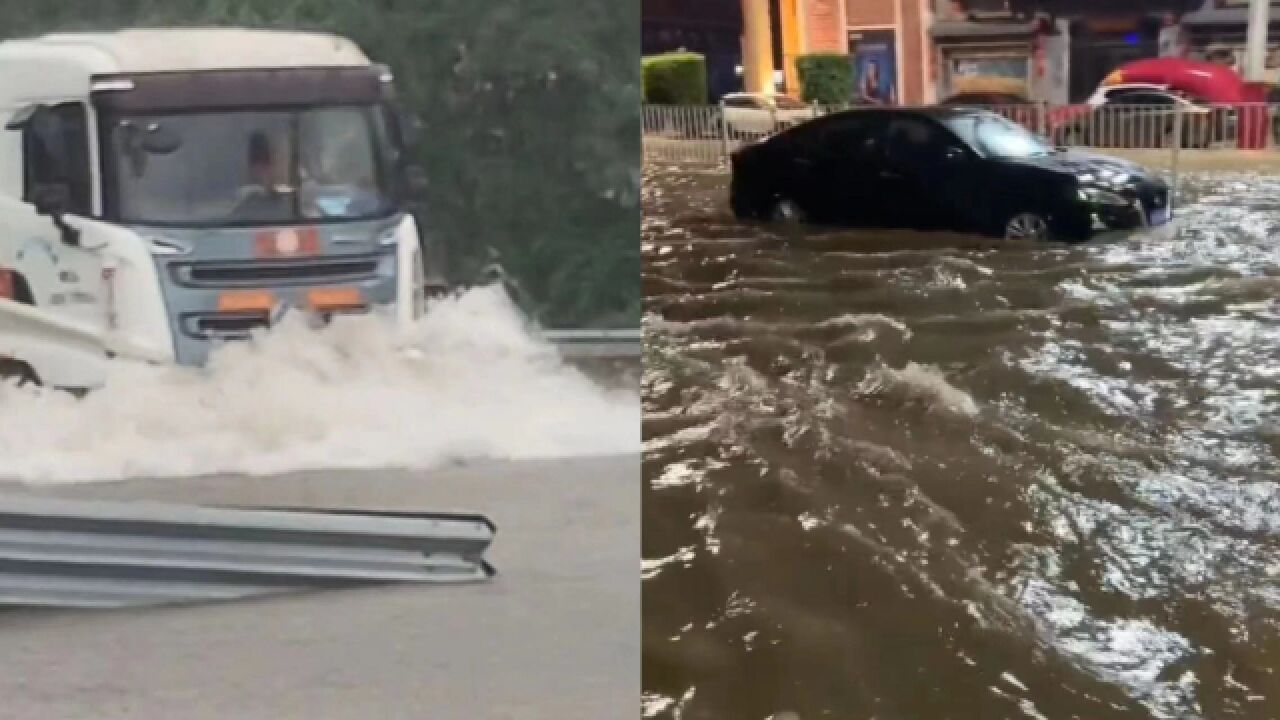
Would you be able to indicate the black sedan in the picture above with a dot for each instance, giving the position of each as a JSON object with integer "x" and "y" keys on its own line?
{"x": 957, "y": 169}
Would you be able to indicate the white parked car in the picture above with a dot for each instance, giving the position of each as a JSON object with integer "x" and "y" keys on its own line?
{"x": 762, "y": 114}
{"x": 1205, "y": 124}
{"x": 1114, "y": 93}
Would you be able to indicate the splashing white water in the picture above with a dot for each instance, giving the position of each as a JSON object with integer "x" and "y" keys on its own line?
{"x": 476, "y": 386}
{"x": 920, "y": 383}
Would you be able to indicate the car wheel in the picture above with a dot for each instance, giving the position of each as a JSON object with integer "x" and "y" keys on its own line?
{"x": 785, "y": 211}
{"x": 1027, "y": 226}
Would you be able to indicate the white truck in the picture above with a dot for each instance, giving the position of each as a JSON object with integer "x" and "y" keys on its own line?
{"x": 165, "y": 190}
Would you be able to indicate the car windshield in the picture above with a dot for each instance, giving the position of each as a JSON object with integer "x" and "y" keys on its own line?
{"x": 998, "y": 137}
{"x": 251, "y": 168}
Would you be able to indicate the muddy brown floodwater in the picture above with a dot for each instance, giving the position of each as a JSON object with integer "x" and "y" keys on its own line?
{"x": 901, "y": 476}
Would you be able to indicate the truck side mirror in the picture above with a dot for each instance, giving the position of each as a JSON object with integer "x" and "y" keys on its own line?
{"x": 53, "y": 200}
{"x": 410, "y": 127}
{"x": 415, "y": 179}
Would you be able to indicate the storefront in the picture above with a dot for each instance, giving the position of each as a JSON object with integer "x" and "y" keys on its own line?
{"x": 1054, "y": 51}
{"x": 1100, "y": 45}
{"x": 1216, "y": 32}
{"x": 984, "y": 57}
{"x": 885, "y": 41}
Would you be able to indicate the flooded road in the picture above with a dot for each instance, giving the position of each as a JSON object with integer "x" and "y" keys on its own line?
{"x": 924, "y": 476}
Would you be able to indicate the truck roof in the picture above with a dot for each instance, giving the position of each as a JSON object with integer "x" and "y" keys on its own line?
{"x": 147, "y": 50}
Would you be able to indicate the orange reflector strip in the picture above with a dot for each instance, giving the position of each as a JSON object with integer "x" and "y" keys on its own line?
{"x": 1114, "y": 78}
{"x": 335, "y": 298}
{"x": 6, "y": 283}
{"x": 246, "y": 300}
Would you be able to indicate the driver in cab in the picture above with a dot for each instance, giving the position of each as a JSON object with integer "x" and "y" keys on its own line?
{"x": 266, "y": 198}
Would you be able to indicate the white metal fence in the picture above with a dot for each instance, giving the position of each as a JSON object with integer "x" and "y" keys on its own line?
{"x": 708, "y": 134}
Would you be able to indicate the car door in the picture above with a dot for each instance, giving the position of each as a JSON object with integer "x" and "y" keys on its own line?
{"x": 913, "y": 172}
{"x": 843, "y": 179}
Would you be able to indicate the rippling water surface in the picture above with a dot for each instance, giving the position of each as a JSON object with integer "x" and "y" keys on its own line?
{"x": 927, "y": 476}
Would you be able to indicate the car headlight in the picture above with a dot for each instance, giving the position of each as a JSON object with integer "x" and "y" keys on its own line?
{"x": 1098, "y": 196}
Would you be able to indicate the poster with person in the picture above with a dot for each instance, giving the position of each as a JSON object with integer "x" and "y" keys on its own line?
{"x": 875, "y": 68}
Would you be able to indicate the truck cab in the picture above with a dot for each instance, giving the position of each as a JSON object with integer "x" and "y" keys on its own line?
{"x": 162, "y": 191}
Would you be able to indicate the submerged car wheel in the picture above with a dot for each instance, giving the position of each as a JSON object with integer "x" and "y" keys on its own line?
{"x": 1027, "y": 226}
{"x": 786, "y": 211}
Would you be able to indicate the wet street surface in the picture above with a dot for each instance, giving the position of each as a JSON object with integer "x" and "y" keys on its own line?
{"x": 894, "y": 475}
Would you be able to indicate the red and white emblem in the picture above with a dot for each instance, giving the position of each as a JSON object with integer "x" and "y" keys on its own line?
{"x": 288, "y": 242}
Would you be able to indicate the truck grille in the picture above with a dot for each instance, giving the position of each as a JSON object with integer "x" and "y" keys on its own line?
{"x": 275, "y": 272}
{"x": 239, "y": 326}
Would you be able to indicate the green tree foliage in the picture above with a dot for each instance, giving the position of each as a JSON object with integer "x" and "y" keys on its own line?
{"x": 531, "y": 128}
{"x": 677, "y": 78}
{"x": 825, "y": 78}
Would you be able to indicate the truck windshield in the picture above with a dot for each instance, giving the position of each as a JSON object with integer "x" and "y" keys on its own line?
{"x": 250, "y": 168}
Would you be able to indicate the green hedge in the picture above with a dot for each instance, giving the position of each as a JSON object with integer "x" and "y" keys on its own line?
{"x": 825, "y": 78}
{"x": 678, "y": 78}
{"x": 531, "y": 126}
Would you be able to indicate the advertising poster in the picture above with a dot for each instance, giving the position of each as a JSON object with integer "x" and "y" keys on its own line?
{"x": 1005, "y": 74}
{"x": 875, "y": 67}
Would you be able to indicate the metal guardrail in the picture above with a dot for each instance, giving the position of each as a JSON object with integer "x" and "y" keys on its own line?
{"x": 597, "y": 344}
{"x": 706, "y": 135}
{"x": 91, "y": 554}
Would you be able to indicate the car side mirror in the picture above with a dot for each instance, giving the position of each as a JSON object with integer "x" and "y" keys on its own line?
{"x": 53, "y": 200}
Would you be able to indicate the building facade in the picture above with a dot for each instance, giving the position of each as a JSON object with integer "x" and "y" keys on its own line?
{"x": 886, "y": 41}
{"x": 1215, "y": 31}
{"x": 922, "y": 51}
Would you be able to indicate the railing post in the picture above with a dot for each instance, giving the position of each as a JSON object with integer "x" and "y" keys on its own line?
{"x": 1177, "y": 151}
{"x": 724, "y": 133}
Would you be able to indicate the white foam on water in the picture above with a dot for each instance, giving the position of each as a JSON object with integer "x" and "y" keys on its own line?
{"x": 922, "y": 383}
{"x": 475, "y": 385}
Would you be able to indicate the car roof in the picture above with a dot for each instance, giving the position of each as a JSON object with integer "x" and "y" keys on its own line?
{"x": 978, "y": 94}
{"x": 1134, "y": 86}
{"x": 759, "y": 95}
{"x": 940, "y": 113}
